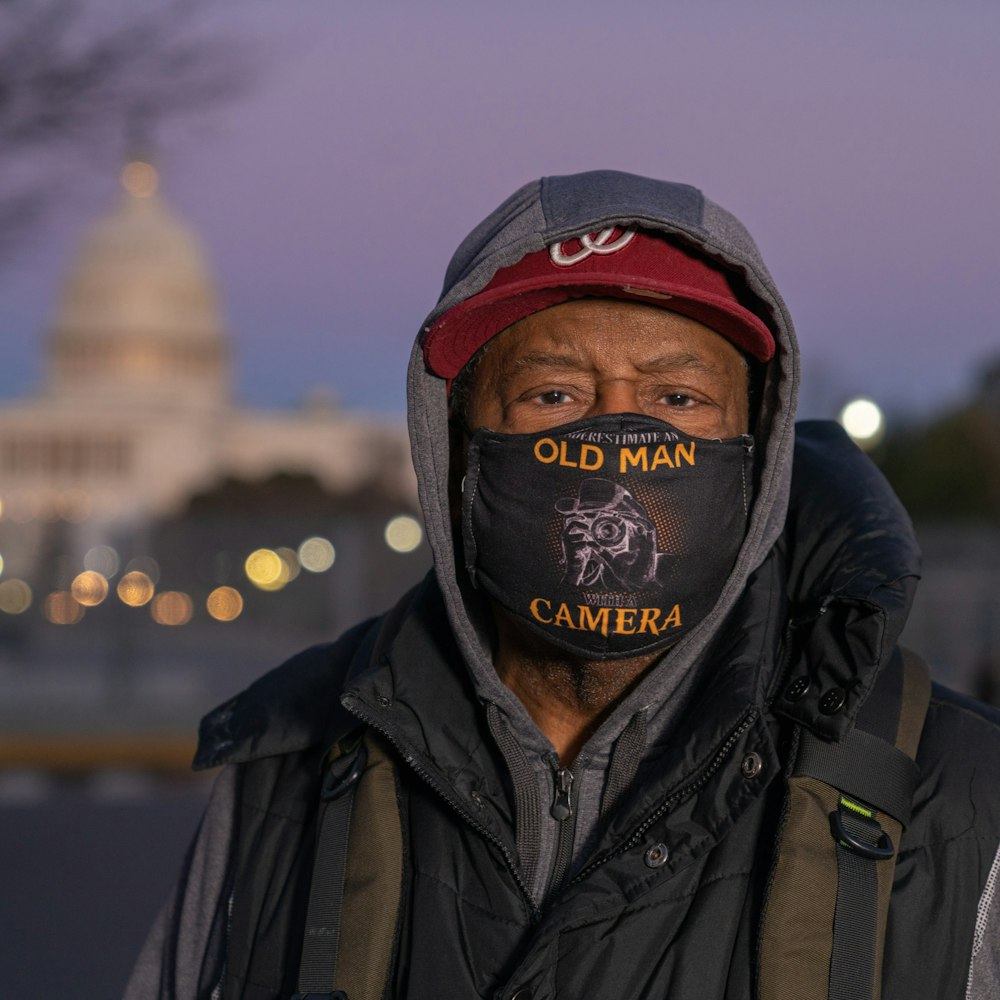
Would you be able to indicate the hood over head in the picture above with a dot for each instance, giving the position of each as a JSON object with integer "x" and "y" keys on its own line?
{"x": 557, "y": 210}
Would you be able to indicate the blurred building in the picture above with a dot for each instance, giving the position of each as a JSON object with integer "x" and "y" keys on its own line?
{"x": 137, "y": 413}
{"x": 149, "y": 523}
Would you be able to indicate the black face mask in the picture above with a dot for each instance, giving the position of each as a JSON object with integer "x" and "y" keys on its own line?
{"x": 610, "y": 536}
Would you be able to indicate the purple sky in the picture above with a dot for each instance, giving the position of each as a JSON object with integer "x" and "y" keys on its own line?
{"x": 861, "y": 146}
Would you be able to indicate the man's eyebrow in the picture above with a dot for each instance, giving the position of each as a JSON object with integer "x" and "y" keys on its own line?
{"x": 544, "y": 359}
{"x": 679, "y": 361}
{"x": 535, "y": 361}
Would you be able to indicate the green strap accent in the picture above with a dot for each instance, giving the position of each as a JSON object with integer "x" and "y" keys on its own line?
{"x": 857, "y": 807}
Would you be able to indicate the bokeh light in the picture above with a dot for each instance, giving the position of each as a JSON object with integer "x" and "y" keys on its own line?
{"x": 284, "y": 575}
{"x": 317, "y": 554}
{"x": 146, "y": 565}
{"x": 266, "y": 570}
{"x": 15, "y": 597}
{"x": 73, "y": 505}
{"x": 403, "y": 533}
{"x": 262, "y": 566}
{"x": 225, "y": 604}
{"x": 291, "y": 560}
{"x": 62, "y": 608}
{"x": 171, "y": 607}
{"x": 102, "y": 559}
{"x": 140, "y": 179}
{"x": 89, "y": 588}
{"x": 136, "y": 589}
{"x": 864, "y": 422}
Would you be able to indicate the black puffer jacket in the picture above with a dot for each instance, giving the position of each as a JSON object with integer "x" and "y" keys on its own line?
{"x": 620, "y": 928}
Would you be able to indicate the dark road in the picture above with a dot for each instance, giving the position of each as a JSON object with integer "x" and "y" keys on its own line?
{"x": 83, "y": 872}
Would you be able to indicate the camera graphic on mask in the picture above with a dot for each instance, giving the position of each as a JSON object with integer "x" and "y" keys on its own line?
{"x": 608, "y": 540}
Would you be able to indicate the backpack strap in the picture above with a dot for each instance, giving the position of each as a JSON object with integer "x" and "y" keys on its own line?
{"x": 354, "y": 897}
{"x": 824, "y": 923}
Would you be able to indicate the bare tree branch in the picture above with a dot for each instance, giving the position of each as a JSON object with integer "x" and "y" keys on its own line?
{"x": 74, "y": 75}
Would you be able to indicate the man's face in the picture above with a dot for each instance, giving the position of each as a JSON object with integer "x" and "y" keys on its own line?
{"x": 596, "y": 356}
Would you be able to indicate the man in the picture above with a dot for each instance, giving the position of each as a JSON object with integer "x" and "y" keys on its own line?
{"x": 645, "y": 730}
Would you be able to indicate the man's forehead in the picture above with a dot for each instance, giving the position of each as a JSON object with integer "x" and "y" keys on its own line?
{"x": 574, "y": 335}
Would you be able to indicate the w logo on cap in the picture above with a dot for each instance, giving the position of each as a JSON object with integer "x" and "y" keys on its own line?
{"x": 603, "y": 243}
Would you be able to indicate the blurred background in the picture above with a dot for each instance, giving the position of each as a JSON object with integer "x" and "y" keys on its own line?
{"x": 221, "y": 224}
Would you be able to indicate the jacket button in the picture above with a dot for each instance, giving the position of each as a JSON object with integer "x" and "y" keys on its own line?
{"x": 752, "y": 764}
{"x": 656, "y": 856}
{"x": 797, "y": 688}
{"x": 833, "y": 701}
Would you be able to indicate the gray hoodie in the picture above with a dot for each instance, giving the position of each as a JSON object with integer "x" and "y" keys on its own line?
{"x": 541, "y": 213}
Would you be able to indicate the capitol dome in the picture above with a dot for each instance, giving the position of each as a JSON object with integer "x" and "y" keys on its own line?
{"x": 139, "y": 315}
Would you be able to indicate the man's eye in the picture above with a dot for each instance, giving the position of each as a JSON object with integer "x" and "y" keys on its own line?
{"x": 678, "y": 399}
{"x": 552, "y": 398}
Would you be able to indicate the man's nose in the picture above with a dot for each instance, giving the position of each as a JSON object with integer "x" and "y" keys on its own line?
{"x": 615, "y": 396}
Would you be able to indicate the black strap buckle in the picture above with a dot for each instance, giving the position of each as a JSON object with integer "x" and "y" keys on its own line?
{"x": 882, "y": 850}
{"x": 343, "y": 773}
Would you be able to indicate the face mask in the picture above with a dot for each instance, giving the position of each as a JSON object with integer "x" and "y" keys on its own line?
{"x": 610, "y": 536}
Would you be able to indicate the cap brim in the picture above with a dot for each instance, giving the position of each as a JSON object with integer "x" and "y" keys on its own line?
{"x": 460, "y": 332}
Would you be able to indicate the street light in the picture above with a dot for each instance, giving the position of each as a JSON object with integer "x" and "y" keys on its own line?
{"x": 864, "y": 421}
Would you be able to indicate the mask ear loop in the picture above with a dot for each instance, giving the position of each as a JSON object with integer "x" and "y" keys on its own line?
{"x": 466, "y": 498}
{"x": 458, "y": 448}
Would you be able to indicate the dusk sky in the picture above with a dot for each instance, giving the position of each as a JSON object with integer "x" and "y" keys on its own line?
{"x": 860, "y": 143}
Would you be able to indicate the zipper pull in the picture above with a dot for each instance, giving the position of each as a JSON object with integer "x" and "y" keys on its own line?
{"x": 562, "y": 803}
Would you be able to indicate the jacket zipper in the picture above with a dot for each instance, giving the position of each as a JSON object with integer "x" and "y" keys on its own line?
{"x": 217, "y": 990}
{"x": 563, "y": 812}
{"x": 748, "y": 719}
{"x": 411, "y": 760}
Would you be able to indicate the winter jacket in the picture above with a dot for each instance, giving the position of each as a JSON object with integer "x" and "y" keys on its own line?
{"x": 674, "y": 843}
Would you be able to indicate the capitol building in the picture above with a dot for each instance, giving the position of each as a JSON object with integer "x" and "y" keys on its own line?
{"x": 137, "y": 411}
{"x": 134, "y": 460}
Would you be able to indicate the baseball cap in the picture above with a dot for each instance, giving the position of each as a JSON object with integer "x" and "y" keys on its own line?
{"x": 616, "y": 262}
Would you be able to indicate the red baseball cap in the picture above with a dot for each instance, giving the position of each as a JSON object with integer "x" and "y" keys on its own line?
{"x": 613, "y": 263}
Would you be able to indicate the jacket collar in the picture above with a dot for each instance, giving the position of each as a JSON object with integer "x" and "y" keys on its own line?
{"x": 853, "y": 568}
